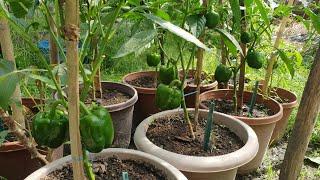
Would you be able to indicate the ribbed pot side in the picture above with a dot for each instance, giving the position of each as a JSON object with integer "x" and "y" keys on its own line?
{"x": 263, "y": 126}
{"x": 222, "y": 167}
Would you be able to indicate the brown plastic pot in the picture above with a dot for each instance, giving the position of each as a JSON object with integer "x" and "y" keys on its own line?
{"x": 223, "y": 167}
{"x": 263, "y": 127}
{"x": 288, "y": 107}
{"x": 124, "y": 154}
{"x": 146, "y": 98}
{"x": 122, "y": 114}
{"x": 15, "y": 159}
{"x": 191, "y": 88}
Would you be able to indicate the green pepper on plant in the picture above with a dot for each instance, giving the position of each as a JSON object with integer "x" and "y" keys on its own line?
{"x": 96, "y": 129}
{"x": 222, "y": 73}
{"x": 169, "y": 96}
{"x": 245, "y": 37}
{"x": 213, "y": 19}
{"x": 167, "y": 74}
{"x": 254, "y": 59}
{"x": 153, "y": 60}
{"x": 50, "y": 129}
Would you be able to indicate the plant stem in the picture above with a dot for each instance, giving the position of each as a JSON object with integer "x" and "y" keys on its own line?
{"x": 208, "y": 131}
{"x": 235, "y": 102}
{"x": 273, "y": 57}
{"x": 88, "y": 166}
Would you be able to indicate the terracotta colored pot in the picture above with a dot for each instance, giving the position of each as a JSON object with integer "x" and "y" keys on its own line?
{"x": 146, "y": 101}
{"x": 15, "y": 159}
{"x": 122, "y": 114}
{"x": 169, "y": 170}
{"x": 222, "y": 167}
{"x": 191, "y": 88}
{"x": 281, "y": 125}
{"x": 263, "y": 127}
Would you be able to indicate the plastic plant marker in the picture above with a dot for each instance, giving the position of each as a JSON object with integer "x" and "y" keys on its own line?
{"x": 125, "y": 176}
{"x": 207, "y": 135}
{"x": 253, "y": 98}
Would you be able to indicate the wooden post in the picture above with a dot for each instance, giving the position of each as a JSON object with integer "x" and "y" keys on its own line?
{"x": 72, "y": 37}
{"x": 242, "y": 61}
{"x": 304, "y": 124}
{"x": 200, "y": 53}
{"x": 273, "y": 57}
{"x": 7, "y": 50}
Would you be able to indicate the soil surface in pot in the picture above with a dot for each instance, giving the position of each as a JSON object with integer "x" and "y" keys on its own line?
{"x": 170, "y": 133}
{"x": 205, "y": 79}
{"x": 10, "y": 137}
{"x": 112, "y": 169}
{"x": 226, "y": 107}
{"x": 110, "y": 97}
{"x": 144, "y": 81}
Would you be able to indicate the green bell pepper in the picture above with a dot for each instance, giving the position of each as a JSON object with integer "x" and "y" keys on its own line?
{"x": 50, "y": 129}
{"x": 168, "y": 97}
{"x": 167, "y": 74}
{"x": 96, "y": 129}
{"x": 153, "y": 60}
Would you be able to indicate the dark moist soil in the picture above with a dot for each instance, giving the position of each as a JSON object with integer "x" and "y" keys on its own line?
{"x": 112, "y": 169}
{"x": 226, "y": 107}
{"x": 169, "y": 133}
{"x": 111, "y": 97}
{"x": 144, "y": 81}
{"x": 205, "y": 79}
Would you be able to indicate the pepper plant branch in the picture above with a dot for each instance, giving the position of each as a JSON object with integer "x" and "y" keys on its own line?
{"x": 27, "y": 142}
{"x": 276, "y": 45}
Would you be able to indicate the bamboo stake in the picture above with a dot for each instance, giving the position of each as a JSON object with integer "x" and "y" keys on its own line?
{"x": 8, "y": 54}
{"x": 72, "y": 37}
{"x": 305, "y": 121}
{"x": 273, "y": 57}
{"x": 200, "y": 53}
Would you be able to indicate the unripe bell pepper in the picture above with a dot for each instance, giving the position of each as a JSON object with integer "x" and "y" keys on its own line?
{"x": 50, "y": 129}
{"x": 153, "y": 60}
{"x": 167, "y": 74}
{"x": 168, "y": 97}
{"x": 96, "y": 129}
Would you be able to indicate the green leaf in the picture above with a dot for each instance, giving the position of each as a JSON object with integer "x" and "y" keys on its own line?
{"x": 196, "y": 24}
{"x": 263, "y": 11}
{"x": 3, "y": 135}
{"x": 20, "y": 8}
{"x": 8, "y": 82}
{"x": 162, "y": 14}
{"x": 231, "y": 38}
{"x": 287, "y": 61}
{"x": 136, "y": 42}
{"x": 43, "y": 79}
{"x": 176, "y": 30}
{"x": 236, "y": 12}
{"x": 314, "y": 18}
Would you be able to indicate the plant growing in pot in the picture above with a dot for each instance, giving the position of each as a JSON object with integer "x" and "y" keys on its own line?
{"x": 171, "y": 135}
{"x": 257, "y": 111}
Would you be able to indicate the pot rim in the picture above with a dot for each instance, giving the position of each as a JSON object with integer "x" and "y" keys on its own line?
{"x": 143, "y": 90}
{"x": 200, "y": 164}
{"x": 252, "y": 121}
{"x": 126, "y": 104}
{"x": 44, "y": 171}
{"x": 293, "y": 103}
{"x": 11, "y": 147}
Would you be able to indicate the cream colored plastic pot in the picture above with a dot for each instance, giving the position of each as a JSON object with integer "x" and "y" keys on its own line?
{"x": 222, "y": 167}
{"x": 171, "y": 172}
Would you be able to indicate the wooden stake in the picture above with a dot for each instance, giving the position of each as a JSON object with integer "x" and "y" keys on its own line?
{"x": 304, "y": 124}
{"x": 8, "y": 54}
{"x": 198, "y": 75}
{"x": 273, "y": 57}
{"x": 72, "y": 37}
